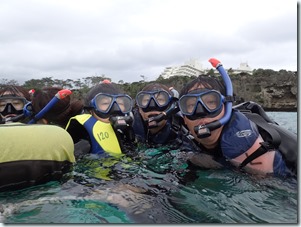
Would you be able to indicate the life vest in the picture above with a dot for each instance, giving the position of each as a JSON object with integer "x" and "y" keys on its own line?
{"x": 240, "y": 134}
{"x": 33, "y": 154}
{"x": 276, "y": 136}
{"x": 101, "y": 135}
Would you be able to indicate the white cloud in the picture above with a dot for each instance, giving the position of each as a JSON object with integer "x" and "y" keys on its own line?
{"x": 124, "y": 39}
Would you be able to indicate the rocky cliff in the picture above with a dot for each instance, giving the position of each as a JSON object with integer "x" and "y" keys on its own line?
{"x": 274, "y": 91}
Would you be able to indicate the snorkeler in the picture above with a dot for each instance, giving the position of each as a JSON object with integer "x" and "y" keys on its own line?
{"x": 155, "y": 114}
{"x": 225, "y": 134}
{"x": 106, "y": 123}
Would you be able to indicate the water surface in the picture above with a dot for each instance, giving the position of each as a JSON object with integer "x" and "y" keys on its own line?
{"x": 156, "y": 187}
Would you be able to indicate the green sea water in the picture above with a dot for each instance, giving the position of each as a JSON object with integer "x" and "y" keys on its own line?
{"x": 156, "y": 187}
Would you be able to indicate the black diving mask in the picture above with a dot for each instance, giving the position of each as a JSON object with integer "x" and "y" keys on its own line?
{"x": 12, "y": 105}
{"x": 106, "y": 105}
{"x": 201, "y": 103}
{"x": 153, "y": 100}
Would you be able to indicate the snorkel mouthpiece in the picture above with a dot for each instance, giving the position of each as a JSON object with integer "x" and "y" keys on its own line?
{"x": 123, "y": 126}
{"x": 203, "y": 131}
{"x": 121, "y": 122}
{"x": 154, "y": 120}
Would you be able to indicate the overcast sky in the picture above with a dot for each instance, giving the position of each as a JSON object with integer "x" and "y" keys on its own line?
{"x": 124, "y": 39}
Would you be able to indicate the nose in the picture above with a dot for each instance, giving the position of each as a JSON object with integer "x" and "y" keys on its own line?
{"x": 9, "y": 108}
{"x": 200, "y": 110}
{"x": 115, "y": 109}
{"x": 152, "y": 103}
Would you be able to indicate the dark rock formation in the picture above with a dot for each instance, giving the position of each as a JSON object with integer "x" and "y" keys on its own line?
{"x": 274, "y": 91}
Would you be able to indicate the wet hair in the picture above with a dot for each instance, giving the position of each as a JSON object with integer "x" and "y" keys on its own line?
{"x": 15, "y": 90}
{"x": 61, "y": 112}
{"x": 105, "y": 88}
{"x": 207, "y": 81}
{"x": 157, "y": 87}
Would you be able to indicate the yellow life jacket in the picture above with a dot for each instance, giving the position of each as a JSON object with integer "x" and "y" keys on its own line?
{"x": 102, "y": 135}
{"x": 33, "y": 154}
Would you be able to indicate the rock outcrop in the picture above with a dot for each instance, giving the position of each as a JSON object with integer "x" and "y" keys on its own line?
{"x": 274, "y": 91}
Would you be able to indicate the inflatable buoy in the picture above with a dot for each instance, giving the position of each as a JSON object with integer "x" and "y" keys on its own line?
{"x": 33, "y": 154}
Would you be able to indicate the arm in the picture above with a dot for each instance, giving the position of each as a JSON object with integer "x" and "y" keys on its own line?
{"x": 261, "y": 165}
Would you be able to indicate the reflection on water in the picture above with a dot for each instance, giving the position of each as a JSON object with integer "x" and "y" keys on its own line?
{"x": 156, "y": 187}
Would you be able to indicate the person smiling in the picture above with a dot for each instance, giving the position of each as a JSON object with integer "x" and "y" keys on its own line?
{"x": 202, "y": 102}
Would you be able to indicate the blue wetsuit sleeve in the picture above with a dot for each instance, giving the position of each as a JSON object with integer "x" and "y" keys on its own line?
{"x": 279, "y": 166}
{"x": 238, "y": 136}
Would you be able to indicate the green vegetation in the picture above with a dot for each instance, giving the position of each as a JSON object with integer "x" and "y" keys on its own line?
{"x": 249, "y": 87}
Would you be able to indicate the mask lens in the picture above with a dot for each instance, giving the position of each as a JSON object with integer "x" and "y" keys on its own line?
{"x": 161, "y": 98}
{"x": 211, "y": 100}
{"x": 124, "y": 103}
{"x": 143, "y": 99}
{"x": 188, "y": 104}
{"x": 103, "y": 103}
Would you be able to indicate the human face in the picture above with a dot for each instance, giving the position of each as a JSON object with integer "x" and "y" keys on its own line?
{"x": 11, "y": 105}
{"x": 104, "y": 103}
{"x": 107, "y": 105}
{"x": 153, "y": 100}
{"x": 147, "y": 115}
{"x": 152, "y": 104}
{"x": 191, "y": 123}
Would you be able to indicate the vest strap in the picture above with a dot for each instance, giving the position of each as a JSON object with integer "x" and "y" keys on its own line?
{"x": 265, "y": 147}
{"x": 273, "y": 136}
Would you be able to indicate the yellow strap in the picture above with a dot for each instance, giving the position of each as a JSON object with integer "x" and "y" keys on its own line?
{"x": 106, "y": 137}
{"x": 103, "y": 133}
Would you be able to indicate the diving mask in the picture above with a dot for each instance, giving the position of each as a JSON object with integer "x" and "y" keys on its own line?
{"x": 12, "y": 105}
{"x": 153, "y": 100}
{"x": 201, "y": 103}
{"x": 106, "y": 105}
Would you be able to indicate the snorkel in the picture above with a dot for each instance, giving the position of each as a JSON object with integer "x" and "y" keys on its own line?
{"x": 160, "y": 101}
{"x": 153, "y": 121}
{"x": 204, "y": 131}
{"x": 58, "y": 96}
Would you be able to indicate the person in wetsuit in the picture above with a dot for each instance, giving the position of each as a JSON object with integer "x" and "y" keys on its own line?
{"x": 106, "y": 122}
{"x": 202, "y": 102}
{"x": 156, "y": 109}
